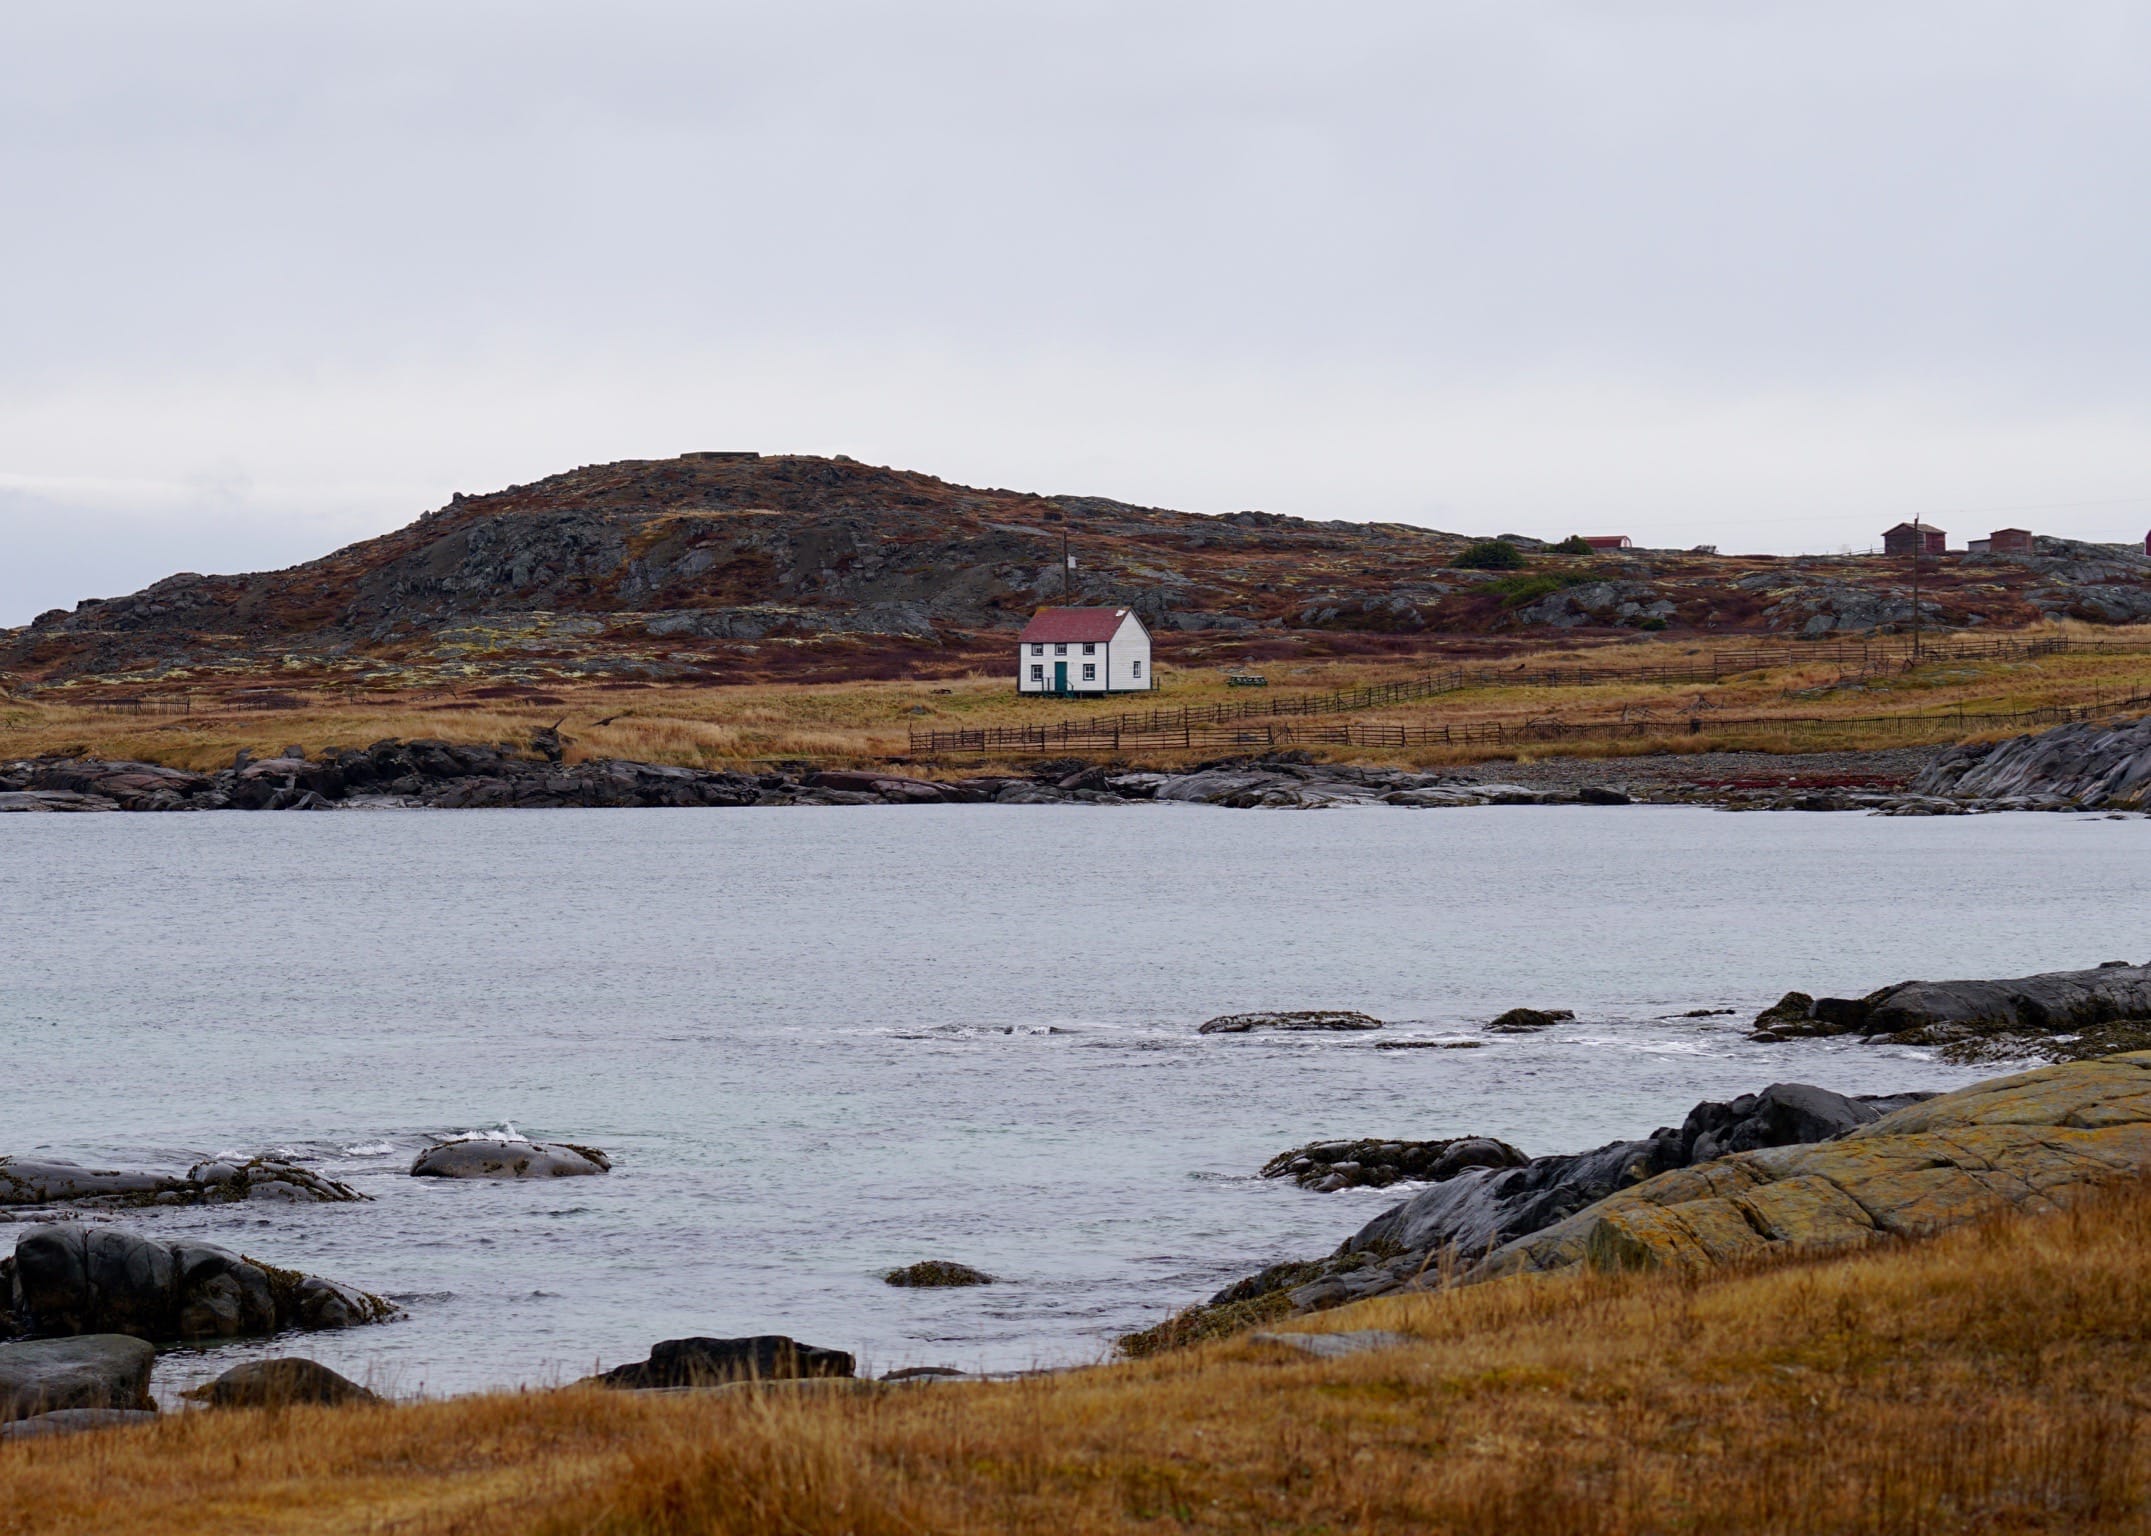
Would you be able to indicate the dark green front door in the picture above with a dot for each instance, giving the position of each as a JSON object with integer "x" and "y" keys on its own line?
{"x": 1060, "y": 677}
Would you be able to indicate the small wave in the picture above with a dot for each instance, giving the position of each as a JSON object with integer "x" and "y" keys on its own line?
{"x": 370, "y": 1149}
{"x": 503, "y": 1130}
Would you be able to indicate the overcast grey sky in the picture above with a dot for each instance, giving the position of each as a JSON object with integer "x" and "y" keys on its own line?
{"x": 273, "y": 277}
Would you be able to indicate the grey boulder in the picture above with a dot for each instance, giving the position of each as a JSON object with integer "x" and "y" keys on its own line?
{"x": 504, "y": 1159}
{"x": 73, "y": 1421}
{"x": 281, "y": 1383}
{"x": 98, "y": 1370}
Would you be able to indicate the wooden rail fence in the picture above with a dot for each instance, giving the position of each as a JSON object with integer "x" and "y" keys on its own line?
{"x": 1227, "y": 725}
{"x": 1269, "y": 736}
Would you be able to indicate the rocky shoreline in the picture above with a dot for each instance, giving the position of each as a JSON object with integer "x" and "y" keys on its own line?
{"x": 2074, "y": 768}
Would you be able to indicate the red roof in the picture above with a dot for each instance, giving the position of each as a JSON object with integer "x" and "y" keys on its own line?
{"x": 1060, "y": 626}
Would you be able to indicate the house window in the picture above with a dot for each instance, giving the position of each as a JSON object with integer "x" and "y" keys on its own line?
{"x": 1038, "y": 674}
{"x": 1136, "y": 668}
{"x": 1038, "y": 650}
{"x": 1090, "y": 672}
{"x": 1089, "y": 649}
{"x": 1060, "y": 650}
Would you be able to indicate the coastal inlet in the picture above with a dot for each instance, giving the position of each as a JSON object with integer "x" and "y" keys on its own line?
{"x": 818, "y": 1046}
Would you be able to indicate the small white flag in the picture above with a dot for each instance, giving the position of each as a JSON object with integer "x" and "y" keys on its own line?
{"x": 1071, "y": 562}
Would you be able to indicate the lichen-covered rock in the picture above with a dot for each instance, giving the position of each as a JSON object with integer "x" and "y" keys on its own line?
{"x": 500, "y": 1158}
{"x": 936, "y": 1272}
{"x": 1308, "y": 1019}
{"x": 2027, "y": 1141}
{"x": 64, "y": 1278}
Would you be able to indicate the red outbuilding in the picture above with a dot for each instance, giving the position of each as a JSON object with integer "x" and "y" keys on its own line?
{"x": 1905, "y": 539}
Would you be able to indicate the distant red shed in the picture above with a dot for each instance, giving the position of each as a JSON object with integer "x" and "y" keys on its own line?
{"x": 2010, "y": 541}
{"x": 1609, "y": 541}
{"x": 1904, "y": 539}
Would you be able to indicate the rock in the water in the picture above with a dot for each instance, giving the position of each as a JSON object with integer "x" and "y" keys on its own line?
{"x": 714, "y": 1362}
{"x": 2049, "y": 1014}
{"x": 1326, "y": 1166}
{"x": 280, "y": 1384}
{"x": 934, "y": 1272}
{"x": 74, "y": 1421}
{"x": 1244, "y": 1023}
{"x": 499, "y": 1158}
{"x": 29, "y": 1182}
{"x": 97, "y": 1370}
{"x": 65, "y": 1279}
{"x": 1524, "y": 1021}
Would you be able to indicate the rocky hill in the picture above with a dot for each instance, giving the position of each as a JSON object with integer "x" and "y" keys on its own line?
{"x": 737, "y": 565}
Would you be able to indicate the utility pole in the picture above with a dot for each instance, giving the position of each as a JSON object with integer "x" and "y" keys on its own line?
{"x": 1919, "y": 541}
{"x": 1067, "y": 560}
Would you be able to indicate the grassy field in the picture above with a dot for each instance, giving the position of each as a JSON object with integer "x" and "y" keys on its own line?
{"x": 1990, "y": 1379}
{"x": 868, "y": 722}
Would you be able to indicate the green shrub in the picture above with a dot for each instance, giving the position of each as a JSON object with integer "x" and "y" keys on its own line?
{"x": 1572, "y": 545}
{"x": 1653, "y": 622}
{"x": 1515, "y": 591}
{"x": 1491, "y": 555}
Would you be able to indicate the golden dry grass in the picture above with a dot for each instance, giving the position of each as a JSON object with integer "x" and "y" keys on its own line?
{"x": 867, "y": 722}
{"x": 1991, "y": 1379}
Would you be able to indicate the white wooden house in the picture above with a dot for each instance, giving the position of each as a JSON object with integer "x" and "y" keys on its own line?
{"x": 1083, "y": 650}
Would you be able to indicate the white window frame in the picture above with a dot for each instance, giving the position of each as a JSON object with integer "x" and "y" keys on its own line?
{"x": 1135, "y": 667}
{"x": 1090, "y": 671}
{"x": 1090, "y": 648}
{"x": 1038, "y": 673}
{"x": 1060, "y": 650}
{"x": 1037, "y": 649}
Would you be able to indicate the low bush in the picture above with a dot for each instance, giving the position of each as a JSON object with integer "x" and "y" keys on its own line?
{"x": 1491, "y": 555}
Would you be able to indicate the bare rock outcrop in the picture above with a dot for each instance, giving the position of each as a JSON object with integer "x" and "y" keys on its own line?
{"x": 2091, "y": 765}
{"x": 2028, "y": 1141}
{"x": 1455, "y": 1226}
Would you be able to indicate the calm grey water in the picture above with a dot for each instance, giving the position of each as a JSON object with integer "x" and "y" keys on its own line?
{"x": 822, "y": 1042}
